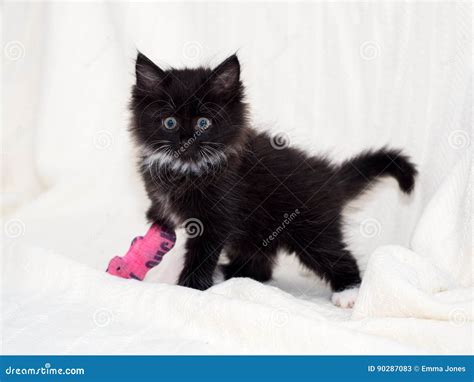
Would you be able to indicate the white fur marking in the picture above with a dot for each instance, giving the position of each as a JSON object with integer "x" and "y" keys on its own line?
{"x": 167, "y": 208}
{"x": 160, "y": 159}
{"x": 345, "y": 298}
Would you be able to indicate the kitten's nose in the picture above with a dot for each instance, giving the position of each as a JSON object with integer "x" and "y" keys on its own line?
{"x": 185, "y": 137}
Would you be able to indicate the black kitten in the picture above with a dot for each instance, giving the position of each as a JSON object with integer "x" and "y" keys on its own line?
{"x": 240, "y": 190}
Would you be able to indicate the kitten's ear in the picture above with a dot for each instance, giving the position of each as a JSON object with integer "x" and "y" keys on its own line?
{"x": 226, "y": 77}
{"x": 149, "y": 76}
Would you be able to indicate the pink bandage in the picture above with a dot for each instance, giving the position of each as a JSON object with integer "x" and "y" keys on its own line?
{"x": 145, "y": 253}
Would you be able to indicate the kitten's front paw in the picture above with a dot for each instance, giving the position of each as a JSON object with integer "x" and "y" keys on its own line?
{"x": 227, "y": 271}
{"x": 345, "y": 298}
{"x": 195, "y": 282}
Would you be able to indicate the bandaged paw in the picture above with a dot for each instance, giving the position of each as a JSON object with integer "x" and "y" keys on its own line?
{"x": 145, "y": 253}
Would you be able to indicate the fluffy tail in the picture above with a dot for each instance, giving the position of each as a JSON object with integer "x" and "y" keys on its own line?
{"x": 357, "y": 174}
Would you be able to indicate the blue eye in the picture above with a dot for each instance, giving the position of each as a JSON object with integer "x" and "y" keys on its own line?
{"x": 203, "y": 123}
{"x": 170, "y": 123}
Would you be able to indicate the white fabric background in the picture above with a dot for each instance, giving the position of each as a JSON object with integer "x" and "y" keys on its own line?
{"x": 337, "y": 77}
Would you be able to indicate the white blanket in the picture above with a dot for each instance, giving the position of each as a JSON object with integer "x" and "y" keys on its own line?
{"x": 384, "y": 73}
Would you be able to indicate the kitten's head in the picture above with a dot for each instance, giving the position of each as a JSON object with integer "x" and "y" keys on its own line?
{"x": 188, "y": 120}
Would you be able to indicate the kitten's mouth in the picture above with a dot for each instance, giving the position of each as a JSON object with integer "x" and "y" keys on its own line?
{"x": 187, "y": 155}
{"x": 196, "y": 153}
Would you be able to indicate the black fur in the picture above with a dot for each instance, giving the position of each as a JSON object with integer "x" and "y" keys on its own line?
{"x": 254, "y": 197}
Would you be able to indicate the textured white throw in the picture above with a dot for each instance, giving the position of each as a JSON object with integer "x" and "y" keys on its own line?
{"x": 335, "y": 77}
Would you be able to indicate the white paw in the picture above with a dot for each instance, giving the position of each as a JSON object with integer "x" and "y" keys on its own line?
{"x": 345, "y": 298}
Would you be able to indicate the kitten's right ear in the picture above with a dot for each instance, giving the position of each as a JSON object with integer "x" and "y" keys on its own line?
{"x": 149, "y": 76}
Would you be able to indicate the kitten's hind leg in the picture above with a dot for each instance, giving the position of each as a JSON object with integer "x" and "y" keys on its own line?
{"x": 337, "y": 266}
{"x": 255, "y": 263}
{"x": 345, "y": 298}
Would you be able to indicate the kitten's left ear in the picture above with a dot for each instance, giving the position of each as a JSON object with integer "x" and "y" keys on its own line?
{"x": 226, "y": 77}
{"x": 149, "y": 76}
